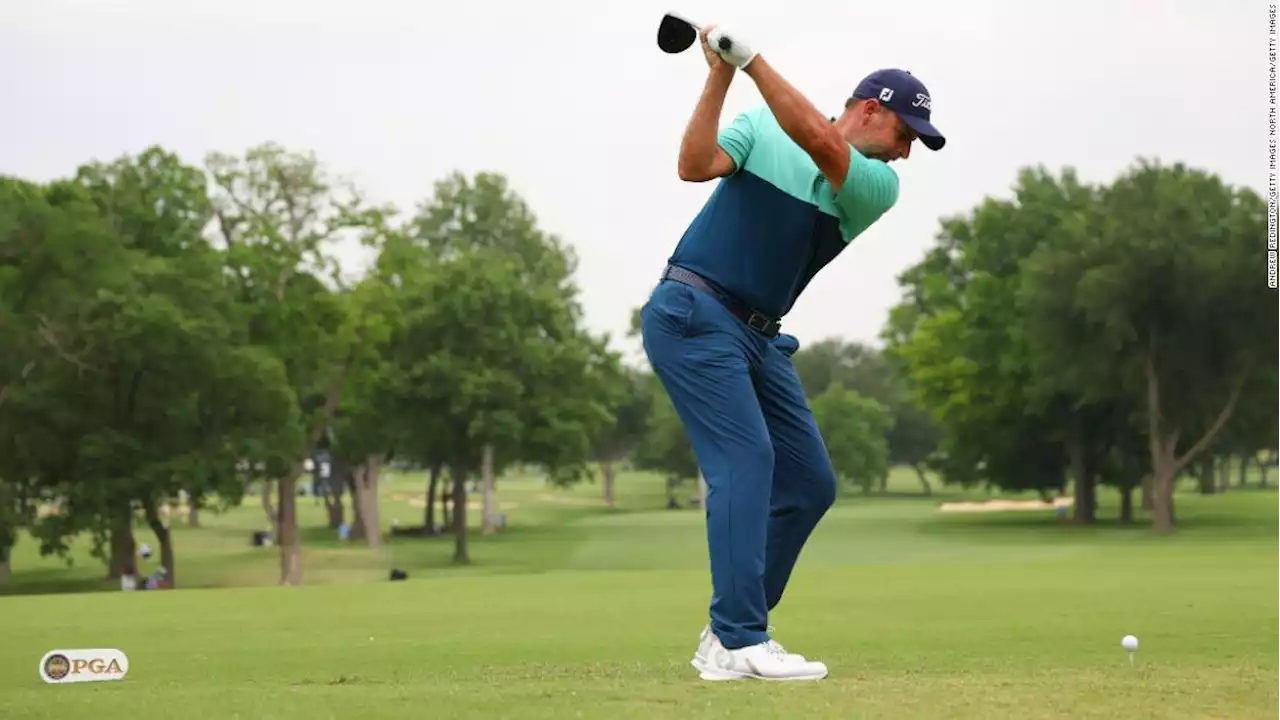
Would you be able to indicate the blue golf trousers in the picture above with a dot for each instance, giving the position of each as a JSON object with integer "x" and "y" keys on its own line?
{"x": 769, "y": 479}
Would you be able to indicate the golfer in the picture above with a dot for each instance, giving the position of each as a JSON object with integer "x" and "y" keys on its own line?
{"x": 797, "y": 188}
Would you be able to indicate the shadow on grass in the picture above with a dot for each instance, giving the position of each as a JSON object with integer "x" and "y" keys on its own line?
{"x": 517, "y": 548}
{"x": 1197, "y": 522}
{"x": 321, "y": 536}
{"x": 54, "y": 582}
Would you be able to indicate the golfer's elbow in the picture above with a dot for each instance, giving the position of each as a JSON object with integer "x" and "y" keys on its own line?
{"x": 692, "y": 168}
{"x": 691, "y": 172}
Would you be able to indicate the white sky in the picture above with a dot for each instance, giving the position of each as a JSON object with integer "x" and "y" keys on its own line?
{"x": 575, "y": 104}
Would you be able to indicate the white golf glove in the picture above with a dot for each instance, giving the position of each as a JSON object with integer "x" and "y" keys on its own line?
{"x": 739, "y": 53}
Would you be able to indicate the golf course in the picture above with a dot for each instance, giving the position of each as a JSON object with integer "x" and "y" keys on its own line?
{"x": 434, "y": 361}
{"x": 579, "y": 611}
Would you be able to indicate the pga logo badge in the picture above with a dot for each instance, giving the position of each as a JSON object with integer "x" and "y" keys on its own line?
{"x": 58, "y": 667}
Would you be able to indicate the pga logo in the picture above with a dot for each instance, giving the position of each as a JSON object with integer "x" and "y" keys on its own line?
{"x": 91, "y": 665}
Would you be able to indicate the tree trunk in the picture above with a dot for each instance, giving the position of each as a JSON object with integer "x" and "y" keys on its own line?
{"x": 924, "y": 481}
{"x": 1243, "y": 472}
{"x": 1126, "y": 504}
{"x": 123, "y": 547}
{"x": 1085, "y": 493}
{"x": 607, "y": 471}
{"x": 1263, "y": 467}
{"x": 164, "y": 537}
{"x": 352, "y": 481}
{"x": 1206, "y": 476}
{"x": 337, "y": 511}
{"x": 489, "y": 515}
{"x": 461, "y": 553}
{"x": 290, "y": 546}
{"x": 367, "y": 502}
{"x": 273, "y": 517}
{"x": 429, "y": 517}
{"x": 1165, "y": 476}
{"x": 6, "y": 552}
{"x": 193, "y": 510}
{"x": 446, "y": 502}
{"x": 1148, "y": 501}
{"x": 1165, "y": 463}
{"x": 1224, "y": 473}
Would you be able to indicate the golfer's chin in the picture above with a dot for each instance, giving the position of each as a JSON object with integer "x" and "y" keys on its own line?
{"x": 887, "y": 155}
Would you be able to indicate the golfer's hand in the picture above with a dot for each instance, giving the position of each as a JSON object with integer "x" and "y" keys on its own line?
{"x": 714, "y": 61}
{"x": 739, "y": 53}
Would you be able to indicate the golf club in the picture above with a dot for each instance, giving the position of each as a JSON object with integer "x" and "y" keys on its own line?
{"x": 677, "y": 34}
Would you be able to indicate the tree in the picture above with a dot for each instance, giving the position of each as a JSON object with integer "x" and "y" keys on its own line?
{"x": 912, "y": 437}
{"x": 833, "y": 361}
{"x": 490, "y": 339}
{"x": 854, "y": 429}
{"x": 631, "y": 412}
{"x": 149, "y": 390}
{"x": 961, "y": 337}
{"x": 47, "y": 290}
{"x": 278, "y": 215}
{"x": 1155, "y": 297}
{"x": 665, "y": 448}
{"x": 367, "y": 427}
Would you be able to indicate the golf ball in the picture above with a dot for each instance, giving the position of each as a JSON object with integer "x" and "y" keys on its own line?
{"x": 1129, "y": 643}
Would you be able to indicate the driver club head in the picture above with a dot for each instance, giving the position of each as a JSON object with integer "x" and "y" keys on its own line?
{"x": 675, "y": 34}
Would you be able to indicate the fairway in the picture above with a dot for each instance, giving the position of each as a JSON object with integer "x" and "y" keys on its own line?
{"x": 581, "y": 612}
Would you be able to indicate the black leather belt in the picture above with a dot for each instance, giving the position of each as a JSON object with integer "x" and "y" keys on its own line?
{"x": 754, "y": 319}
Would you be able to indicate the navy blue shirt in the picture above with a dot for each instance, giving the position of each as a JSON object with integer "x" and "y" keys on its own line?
{"x": 769, "y": 227}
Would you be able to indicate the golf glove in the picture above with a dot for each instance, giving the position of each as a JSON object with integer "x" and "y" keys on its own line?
{"x": 739, "y": 53}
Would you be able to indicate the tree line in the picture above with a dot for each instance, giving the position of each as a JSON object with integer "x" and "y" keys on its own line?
{"x": 182, "y": 331}
{"x": 1108, "y": 334}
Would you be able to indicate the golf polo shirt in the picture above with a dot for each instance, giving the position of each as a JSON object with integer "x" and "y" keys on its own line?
{"x": 769, "y": 227}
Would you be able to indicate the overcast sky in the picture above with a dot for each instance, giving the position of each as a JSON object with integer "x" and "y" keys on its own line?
{"x": 575, "y": 104}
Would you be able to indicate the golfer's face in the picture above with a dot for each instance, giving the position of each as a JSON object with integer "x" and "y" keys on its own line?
{"x": 897, "y": 138}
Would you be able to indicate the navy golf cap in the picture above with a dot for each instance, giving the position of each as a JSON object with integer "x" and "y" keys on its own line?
{"x": 902, "y": 93}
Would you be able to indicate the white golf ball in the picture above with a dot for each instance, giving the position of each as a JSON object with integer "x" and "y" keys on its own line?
{"x": 1129, "y": 643}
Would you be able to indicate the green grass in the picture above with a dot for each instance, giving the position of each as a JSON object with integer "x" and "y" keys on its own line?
{"x": 577, "y": 611}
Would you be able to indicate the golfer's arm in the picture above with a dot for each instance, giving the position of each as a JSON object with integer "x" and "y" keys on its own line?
{"x": 810, "y": 129}
{"x": 701, "y": 157}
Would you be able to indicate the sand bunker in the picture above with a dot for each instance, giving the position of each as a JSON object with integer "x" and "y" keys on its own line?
{"x": 1004, "y": 505}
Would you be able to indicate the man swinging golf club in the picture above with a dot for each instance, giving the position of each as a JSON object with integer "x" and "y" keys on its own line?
{"x": 797, "y": 188}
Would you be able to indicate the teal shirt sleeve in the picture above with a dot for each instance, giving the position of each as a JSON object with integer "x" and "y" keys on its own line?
{"x": 870, "y": 188}
{"x": 737, "y": 138}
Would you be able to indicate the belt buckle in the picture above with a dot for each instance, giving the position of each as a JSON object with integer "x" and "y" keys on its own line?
{"x": 760, "y": 321}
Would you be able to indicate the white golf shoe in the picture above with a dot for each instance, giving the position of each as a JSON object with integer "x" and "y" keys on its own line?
{"x": 765, "y": 661}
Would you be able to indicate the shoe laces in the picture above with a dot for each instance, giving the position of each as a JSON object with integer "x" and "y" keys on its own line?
{"x": 776, "y": 651}
{"x": 774, "y": 645}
